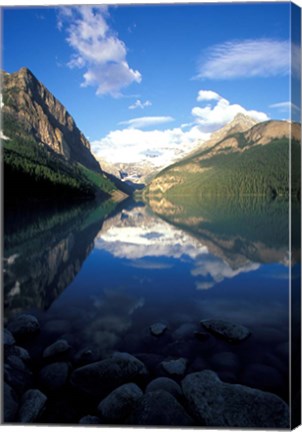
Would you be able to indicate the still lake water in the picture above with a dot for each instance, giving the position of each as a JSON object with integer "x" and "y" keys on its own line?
{"x": 99, "y": 276}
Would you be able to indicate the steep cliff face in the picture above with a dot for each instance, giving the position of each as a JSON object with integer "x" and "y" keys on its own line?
{"x": 27, "y": 101}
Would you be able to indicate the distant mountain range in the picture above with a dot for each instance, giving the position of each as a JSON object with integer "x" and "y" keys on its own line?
{"x": 45, "y": 154}
{"x": 243, "y": 158}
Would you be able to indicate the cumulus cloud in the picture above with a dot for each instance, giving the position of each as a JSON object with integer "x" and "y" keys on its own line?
{"x": 207, "y": 95}
{"x": 97, "y": 49}
{"x": 139, "y": 104}
{"x": 214, "y": 117}
{"x": 142, "y": 122}
{"x": 246, "y": 58}
{"x": 155, "y": 147}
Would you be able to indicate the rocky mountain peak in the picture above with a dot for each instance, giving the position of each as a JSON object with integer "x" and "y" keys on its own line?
{"x": 28, "y": 102}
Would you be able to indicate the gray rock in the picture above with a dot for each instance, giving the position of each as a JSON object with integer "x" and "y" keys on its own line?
{"x": 24, "y": 325}
{"x": 22, "y": 353}
{"x": 101, "y": 377}
{"x": 8, "y": 338}
{"x": 54, "y": 376}
{"x": 159, "y": 408}
{"x": 19, "y": 380}
{"x": 214, "y": 403}
{"x": 85, "y": 356}
{"x": 10, "y": 405}
{"x": 229, "y": 331}
{"x": 119, "y": 403}
{"x": 16, "y": 362}
{"x": 175, "y": 367}
{"x": 58, "y": 348}
{"x": 90, "y": 420}
{"x": 32, "y": 405}
{"x": 158, "y": 329}
{"x": 166, "y": 384}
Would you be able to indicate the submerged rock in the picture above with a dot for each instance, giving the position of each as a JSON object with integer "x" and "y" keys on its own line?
{"x": 158, "y": 329}
{"x": 100, "y": 378}
{"x": 166, "y": 384}
{"x": 8, "y": 338}
{"x": 10, "y": 407}
{"x": 54, "y": 376}
{"x": 58, "y": 348}
{"x": 214, "y": 403}
{"x": 90, "y": 420}
{"x": 24, "y": 325}
{"x": 229, "y": 331}
{"x": 175, "y": 367}
{"x": 159, "y": 408}
{"x": 32, "y": 405}
{"x": 119, "y": 403}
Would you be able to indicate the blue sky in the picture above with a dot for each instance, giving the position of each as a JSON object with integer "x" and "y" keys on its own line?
{"x": 174, "y": 73}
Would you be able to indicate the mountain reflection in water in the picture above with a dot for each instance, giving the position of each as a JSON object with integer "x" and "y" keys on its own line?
{"x": 99, "y": 276}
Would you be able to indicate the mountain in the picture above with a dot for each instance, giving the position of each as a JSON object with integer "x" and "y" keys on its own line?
{"x": 254, "y": 161}
{"x": 45, "y": 153}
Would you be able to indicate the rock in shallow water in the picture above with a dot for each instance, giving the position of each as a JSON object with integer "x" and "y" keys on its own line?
{"x": 24, "y": 325}
{"x": 120, "y": 402}
{"x": 231, "y": 332}
{"x": 90, "y": 420}
{"x": 175, "y": 367}
{"x": 32, "y": 405}
{"x": 58, "y": 348}
{"x": 100, "y": 378}
{"x": 10, "y": 404}
{"x": 166, "y": 384}
{"x": 159, "y": 408}
{"x": 8, "y": 338}
{"x": 158, "y": 329}
{"x": 215, "y": 403}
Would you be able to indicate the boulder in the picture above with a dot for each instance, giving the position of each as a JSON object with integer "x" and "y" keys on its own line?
{"x": 230, "y": 332}
{"x": 24, "y": 325}
{"x": 175, "y": 367}
{"x": 159, "y": 408}
{"x": 120, "y": 402}
{"x": 10, "y": 405}
{"x": 90, "y": 420}
{"x": 166, "y": 384}
{"x": 8, "y": 338}
{"x": 214, "y": 403}
{"x": 54, "y": 376}
{"x": 100, "y": 378}
{"x": 19, "y": 379}
{"x": 158, "y": 329}
{"x": 32, "y": 405}
{"x": 58, "y": 348}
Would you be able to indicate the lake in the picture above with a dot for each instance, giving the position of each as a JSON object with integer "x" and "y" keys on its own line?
{"x": 99, "y": 275}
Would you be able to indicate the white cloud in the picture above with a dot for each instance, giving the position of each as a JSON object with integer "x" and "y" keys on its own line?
{"x": 214, "y": 117}
{"x": 218, "y": 270}
{"x": 98, "y": 49}
{"x": 139, "y": 104}
{"x": 247, "y": 58}
{"x": 285, "y": 106}
{"x": 207, "y": 95}
{"x": 156, "y": 147}
{"x": 142, "y": 122}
